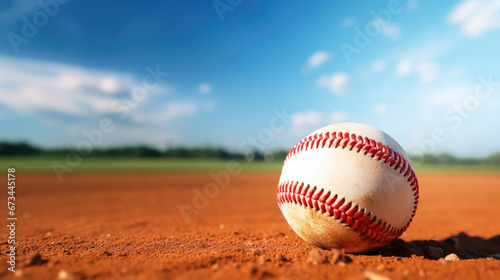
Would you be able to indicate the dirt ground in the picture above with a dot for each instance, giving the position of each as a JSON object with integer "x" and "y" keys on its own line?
{"x": 130, "y": 226}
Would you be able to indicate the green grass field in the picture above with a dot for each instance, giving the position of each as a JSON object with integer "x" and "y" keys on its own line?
{"x": 93, "y": 164}
{"x": 45, "y": 164}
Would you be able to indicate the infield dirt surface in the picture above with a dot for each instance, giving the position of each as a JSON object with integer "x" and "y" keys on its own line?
{"x": 129, "y": 226}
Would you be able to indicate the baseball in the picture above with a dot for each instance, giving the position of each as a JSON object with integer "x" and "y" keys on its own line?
{"x": 348, "y": 186}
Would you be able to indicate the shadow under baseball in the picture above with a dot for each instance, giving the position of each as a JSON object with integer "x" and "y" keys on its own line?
{"x": 462, "y": 245}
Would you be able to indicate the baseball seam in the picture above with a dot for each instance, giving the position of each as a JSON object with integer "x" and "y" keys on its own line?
{"x": 326, "y": 202}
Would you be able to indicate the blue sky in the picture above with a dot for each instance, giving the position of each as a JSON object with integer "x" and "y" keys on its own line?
{"x": 414, "y": 69}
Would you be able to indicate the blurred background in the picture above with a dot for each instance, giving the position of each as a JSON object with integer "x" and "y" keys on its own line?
{"x": 246, "y": 79}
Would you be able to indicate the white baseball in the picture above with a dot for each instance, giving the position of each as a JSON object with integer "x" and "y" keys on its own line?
{"x": 348, "y": 186}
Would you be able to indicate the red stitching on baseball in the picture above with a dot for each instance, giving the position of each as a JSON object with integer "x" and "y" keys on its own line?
{"x": 326, "y": 202}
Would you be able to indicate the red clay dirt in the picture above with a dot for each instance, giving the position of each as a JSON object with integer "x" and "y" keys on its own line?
{"x": 130, "y": 226}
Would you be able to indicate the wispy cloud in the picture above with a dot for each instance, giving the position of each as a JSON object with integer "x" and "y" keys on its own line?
{"x": 337, "y": 83}
{"x": 403, "y": 68}
{"x": 378, "y": 65}
{"x": 142, "y": 135}
{"x": 171, "y": 111}
{"x": 17, "y": 10}
{"x": 32, "y": 86}
{"x": 317, "y": 59}
{"x": 306, "y": 122}
{"x": 205, "y": 88}
{"x": 412, "y": 5}
{"x": 476, "y": 16}
{"x": 338, "y": 117}
{"x": 390, "y": 30}
{"x": 302, "y": 122}
{"x": 348, "y": 21}
{"x": 427, "y": 71}
{"x": 449, "y": 95}
{"x": 380, "y": 108}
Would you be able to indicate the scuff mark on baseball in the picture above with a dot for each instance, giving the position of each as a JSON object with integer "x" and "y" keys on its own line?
{"x": 348, "y": 186}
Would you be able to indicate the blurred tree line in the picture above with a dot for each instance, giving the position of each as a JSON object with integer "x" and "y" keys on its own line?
{"x": 24, "y": 149}
{"x": 447, "y": 159}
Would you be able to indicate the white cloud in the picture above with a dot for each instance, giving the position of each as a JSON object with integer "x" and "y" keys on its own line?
{"x": 140, "y": 134}
{"x": 338, "y": 117}
{"x": 456, "y": 71}
{"x": 378, "y": 65}
{"x": 427, "y": 71}
{"x": 109, "y": 84}
{"x": 380, "y": 108}
{"x": 32, "y": 86}
{"x": 336, "y": 83}
{"x": 205, "y": 88}
{"x": 476, "y": 16}
{"x": 403, "y": 68}
{"x": 431, "y": 50}
{"x": 348, "y": 21}
{"x": 174, "y": 110}
{"x": 17, "y": 10}
{"x": 310, "y": 117}
{"x": 392, "y": 31}
{"x": 301, "y": 122}
{"x": 449, "y": 95}
{"x": 317, "y": 59}
{"x": 412, "y": 5}
{"x": 208, "y": 106}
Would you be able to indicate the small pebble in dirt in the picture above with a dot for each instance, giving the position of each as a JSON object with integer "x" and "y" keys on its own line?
{"x": 251, "y": 270}
{"x": 338, "y": 256}
{"x": 380, "y": 267}
{"x": 35, "y": 259}
{"x": 432, "y": 252}
{"x": 452, "y": 258}
{"x": 256, "y": 252}
{"x": 316, "y": 257}
{"x": 262, "y": 260}
{"x": 106, "y": 253}
{"x": 279, "y": 257}
{"x": 215, "y": 266}
{"x": 374, "y": 276}
{"x": 421, "y": 273}
{"x": 64, "y": 275}
{"x": 221, "y": 226}
{"x": 441, "y": 260}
